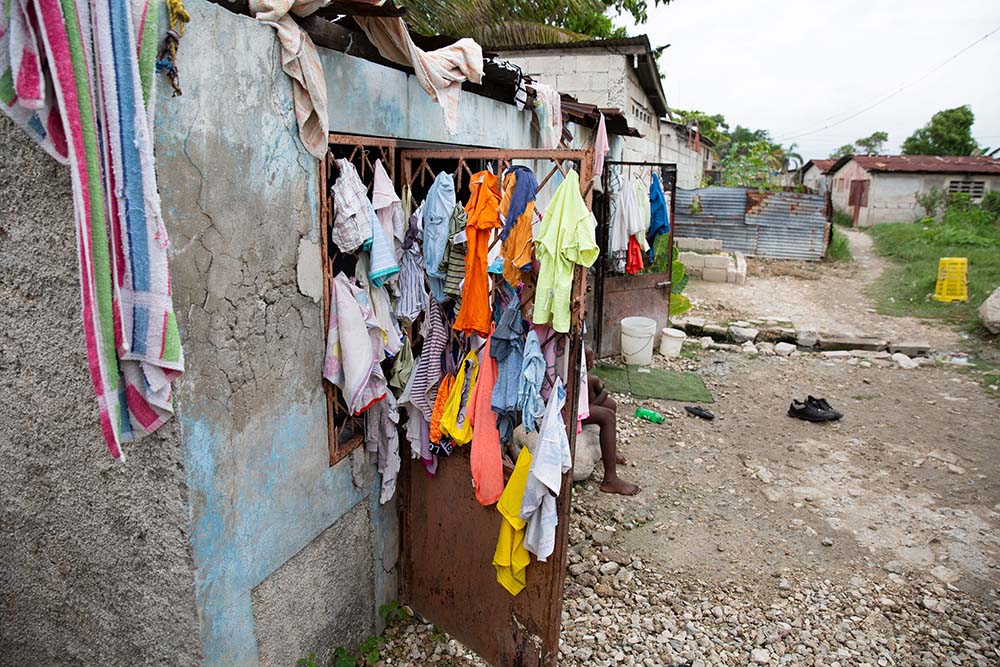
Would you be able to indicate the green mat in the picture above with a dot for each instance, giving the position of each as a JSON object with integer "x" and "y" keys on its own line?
{"x": 657, "y": 383}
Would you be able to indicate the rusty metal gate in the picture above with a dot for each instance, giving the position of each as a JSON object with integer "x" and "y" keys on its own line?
{"x": 447, "y": 538}
{"x": 615, "y": 295}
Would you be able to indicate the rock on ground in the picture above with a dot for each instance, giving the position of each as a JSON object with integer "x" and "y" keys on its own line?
{"x": 989, "y": 312}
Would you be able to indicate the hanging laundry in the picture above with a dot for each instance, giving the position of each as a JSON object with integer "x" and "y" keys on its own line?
{"x": 382, "y": 265}
{"x": 440, "y": 73}
{"x": 353, "y": 215}
{"x": 66, "y": 84}
{"x": 455, "y": 418}
{"x": 453, "y": 263}
{"x": 529, "y": 391}
{"x": 412, "y": 293}
{"x": 485, "y": 458}
{"x": 551, "y": 459}
{"x": 444, "y": 390}
{"x": 483, "y": 218}
{"x": 601, "y": 149}
{"x": 517, "y": 205}
{"x": 416, "y": 428}
{"x": 565, "y": 240}
{"x": 660, "y": 219}
{"x": 642, "y": 201}
{"x": 548, "y": 114}
{"x": 627, "y": 221}
{"x": 382, "y": 443}
{"x": 391, "y": 337}
{"x": 633, "y": 264}
{"x": 438, "y": 208}
{"x": 388, "y": 208}
{"x": 402, "y": 367}
{"x": 427, "y": 372}
{"x": 583, "y": 401}
{"x": 356, "y": 371}
{"x": 507, "y": 348}
{"x": 511, "y": 559}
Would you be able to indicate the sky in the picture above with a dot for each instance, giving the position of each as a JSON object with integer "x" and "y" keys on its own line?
{"x": 795, "y": 66}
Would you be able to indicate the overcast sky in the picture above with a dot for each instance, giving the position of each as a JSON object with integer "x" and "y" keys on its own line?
{"x": 790, "y": 65}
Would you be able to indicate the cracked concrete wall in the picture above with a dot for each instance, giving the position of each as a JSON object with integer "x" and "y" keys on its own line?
{"x": 95, "y": 560}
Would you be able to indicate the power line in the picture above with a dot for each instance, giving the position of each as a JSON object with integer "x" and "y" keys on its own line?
{"x": 893, "y": 93}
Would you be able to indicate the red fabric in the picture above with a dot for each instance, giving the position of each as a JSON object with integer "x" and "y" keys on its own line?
{"x": 633, "y": 264}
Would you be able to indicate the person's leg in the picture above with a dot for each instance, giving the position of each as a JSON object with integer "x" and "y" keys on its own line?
{"x": 604, "y": 417}
{"x": 609, "y": 403}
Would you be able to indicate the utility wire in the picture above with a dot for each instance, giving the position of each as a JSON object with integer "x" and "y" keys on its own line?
{"x": 893, "y": 93}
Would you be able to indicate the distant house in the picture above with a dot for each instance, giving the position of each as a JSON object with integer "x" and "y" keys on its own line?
{"x": 813, "y": 174}
{"x": 881, "y": 188}
{"x": 621, "y": 73}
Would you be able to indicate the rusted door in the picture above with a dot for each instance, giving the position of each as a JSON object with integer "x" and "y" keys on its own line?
{"x": 857, "y": 198}
{"x": 618, "y": 296}
{"x": 448, "y": 539}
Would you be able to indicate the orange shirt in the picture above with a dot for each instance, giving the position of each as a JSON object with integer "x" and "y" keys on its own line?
{"x": 484, "y": 216}
{"x": 442, "y": 395}
{"x": 518, "y": 248}
{"x": 486, "y": 462}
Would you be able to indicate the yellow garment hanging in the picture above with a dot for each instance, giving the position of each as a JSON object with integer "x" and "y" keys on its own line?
{"x": 458, "y": 402}
{"x": 511, "y": 558}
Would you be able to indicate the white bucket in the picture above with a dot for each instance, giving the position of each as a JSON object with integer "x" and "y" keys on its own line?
{"x": 637, "y": 340}
{"x": 671, "y": 341}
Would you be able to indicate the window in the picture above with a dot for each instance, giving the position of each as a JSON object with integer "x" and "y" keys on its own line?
{"x": 975, "y": 189}
{"x": 640, "y": 113}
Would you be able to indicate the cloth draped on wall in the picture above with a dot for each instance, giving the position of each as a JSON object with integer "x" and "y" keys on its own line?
{"x": 548, "y": 113}
{"x": 79, "y": 78}
{"x": 440, "y": 73}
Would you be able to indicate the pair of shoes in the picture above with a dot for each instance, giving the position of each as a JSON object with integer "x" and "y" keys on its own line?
{"x": 813, "y": 410}
{"x": 699, "y": 411}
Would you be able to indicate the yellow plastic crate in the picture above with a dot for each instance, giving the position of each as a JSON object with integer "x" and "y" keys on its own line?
{"x": 952, "y": 280}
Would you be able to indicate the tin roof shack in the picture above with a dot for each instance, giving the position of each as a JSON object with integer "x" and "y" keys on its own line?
{"x": 621, "y": 73}
{"x": 884, "y": 188}
{"x": 813, "y": 175}
{"x": 227, "y": 540}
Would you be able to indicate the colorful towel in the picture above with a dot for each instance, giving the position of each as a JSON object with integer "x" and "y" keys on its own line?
{"x": 85, "y": 103}
{"x": 354, "y": 347}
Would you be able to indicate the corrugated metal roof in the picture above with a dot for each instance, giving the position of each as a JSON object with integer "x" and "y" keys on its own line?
{"x": 927, "y": 164}
{"x": 822, "y": 165}
{"x": 640, "y": 42}
{"x": 777, "y": 225}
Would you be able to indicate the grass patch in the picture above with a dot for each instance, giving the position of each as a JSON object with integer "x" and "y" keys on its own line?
{"x": 842, "y": 218}
{"x": 839, "y": 249}
{"x": 906, "y": 289}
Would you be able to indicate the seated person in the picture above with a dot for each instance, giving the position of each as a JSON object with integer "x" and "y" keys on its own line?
{"x": 602, "y": 413}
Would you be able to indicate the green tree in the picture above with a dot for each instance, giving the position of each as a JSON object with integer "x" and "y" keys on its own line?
{"x": 843, "y": 151}
{"x": 948, "y": 133}
{"x": 496, "y": 23}
{"x": 873, "y": 143}
{"x": 712, "y": 127}
{"x": 750, "y": 164}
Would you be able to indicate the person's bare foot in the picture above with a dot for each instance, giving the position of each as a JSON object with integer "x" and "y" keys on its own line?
{"x": 619, "y": 486}
{"x": 621, "y": 460}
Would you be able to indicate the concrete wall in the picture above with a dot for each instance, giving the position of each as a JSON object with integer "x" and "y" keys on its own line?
{"x": 95, "y": 562}
{"x": 229, "y": 522}
{"x": 814, "y": 179}
{"x": 892, "y": 196}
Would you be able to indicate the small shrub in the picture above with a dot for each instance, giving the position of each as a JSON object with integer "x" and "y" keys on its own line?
{"x": 991, "y": 203}
{"x": 933, "y": 201}
{"x": 843, "y": 219}
{"x": 839, "y": 249}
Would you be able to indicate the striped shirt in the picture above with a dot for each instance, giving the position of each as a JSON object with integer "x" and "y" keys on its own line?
{"x": 453, "y": 263}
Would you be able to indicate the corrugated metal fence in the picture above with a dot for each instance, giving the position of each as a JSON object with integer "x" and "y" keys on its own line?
{"x": 777, "y": 225}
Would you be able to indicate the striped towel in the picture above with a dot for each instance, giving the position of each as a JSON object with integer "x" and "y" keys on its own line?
{"x": 85, "y": 103}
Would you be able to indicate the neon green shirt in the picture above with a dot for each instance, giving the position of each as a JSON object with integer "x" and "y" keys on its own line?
{"x": 565, "y": 238}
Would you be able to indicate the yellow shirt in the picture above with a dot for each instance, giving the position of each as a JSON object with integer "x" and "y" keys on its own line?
{"x": 565, "y": 238}
{"x": 511, "y": 558}
{"x": 455, "y": 419}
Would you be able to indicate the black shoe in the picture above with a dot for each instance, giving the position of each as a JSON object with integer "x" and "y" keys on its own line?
{"x": 823, "y": 405}
{"x": 809, "y": 412}
{"x": 699, "y": 411}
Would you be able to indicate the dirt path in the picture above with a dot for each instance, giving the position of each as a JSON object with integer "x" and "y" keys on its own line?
{"x": 821, "y": 296}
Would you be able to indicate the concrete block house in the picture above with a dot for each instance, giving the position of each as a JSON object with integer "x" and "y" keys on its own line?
{"x": 884, "y": 188}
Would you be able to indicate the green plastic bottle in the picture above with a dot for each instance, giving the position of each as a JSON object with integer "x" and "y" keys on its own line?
{"x": 650, "y": 415}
